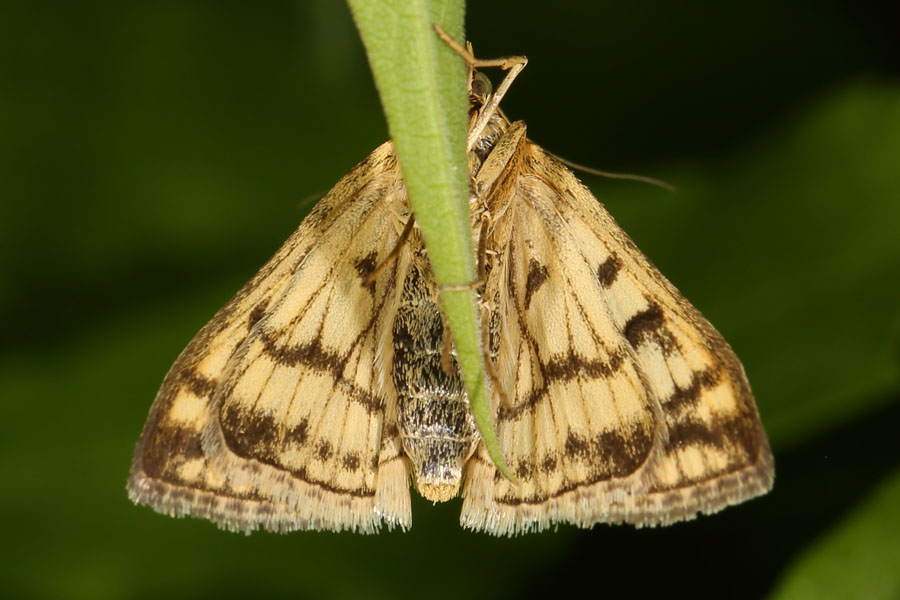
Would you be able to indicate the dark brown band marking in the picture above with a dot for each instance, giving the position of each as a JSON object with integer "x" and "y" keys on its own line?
{"x": 609, "y": 455}
{"x": 561, "y": 368}
{"x": 722, "y": 434}
{"x": 689, "y": 397}
{"x": 618, "y": 453}
{"x": 310, "y": 354}
{"x": 314, "y": 356}
{"x": 176, "y": 487}
{"x": 571, "y": 365}
{"x": 741, "y": 431}
{"x": 199, "y": 385}
{"x": 255, "y": 436}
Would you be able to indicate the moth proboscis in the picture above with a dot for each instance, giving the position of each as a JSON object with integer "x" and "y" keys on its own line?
{"x": 318, "y": 392}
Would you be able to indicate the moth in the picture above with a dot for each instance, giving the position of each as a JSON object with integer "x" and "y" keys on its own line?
{"x": 319, "y": 392}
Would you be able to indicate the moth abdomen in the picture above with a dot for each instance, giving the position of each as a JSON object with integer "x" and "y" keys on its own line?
{"x": 438, "y": 436}
{"x": 436, "y": 426}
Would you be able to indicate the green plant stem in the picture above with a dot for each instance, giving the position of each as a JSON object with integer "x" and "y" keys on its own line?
{"x": 423, "y": 90}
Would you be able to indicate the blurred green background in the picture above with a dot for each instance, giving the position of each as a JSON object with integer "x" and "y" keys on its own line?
{"x": 155, "y": 154}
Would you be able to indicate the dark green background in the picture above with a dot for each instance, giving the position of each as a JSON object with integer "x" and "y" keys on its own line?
{"x": 155, "y": 154}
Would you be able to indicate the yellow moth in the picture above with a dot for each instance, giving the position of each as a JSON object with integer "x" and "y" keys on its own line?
{"x": 326, "y": 385}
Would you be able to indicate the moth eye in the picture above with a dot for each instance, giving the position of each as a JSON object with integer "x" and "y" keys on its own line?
{"x": 481, "y": 86}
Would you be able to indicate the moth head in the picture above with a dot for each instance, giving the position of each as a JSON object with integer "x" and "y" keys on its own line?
{"x": 480, "y": 89}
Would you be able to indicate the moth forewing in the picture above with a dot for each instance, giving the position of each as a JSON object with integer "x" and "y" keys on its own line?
{"x": 272, "y": 417}
{"x": 633, "y": 407}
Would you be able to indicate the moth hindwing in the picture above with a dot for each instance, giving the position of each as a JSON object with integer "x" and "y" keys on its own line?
{"x": 318, "y": 392}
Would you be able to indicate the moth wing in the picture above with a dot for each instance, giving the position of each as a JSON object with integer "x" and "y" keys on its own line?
{"x": 275, "y": 415}
{"x": 626, "y": 405}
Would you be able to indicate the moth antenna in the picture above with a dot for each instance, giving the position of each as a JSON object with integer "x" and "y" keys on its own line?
{"x": 613, "y": 175}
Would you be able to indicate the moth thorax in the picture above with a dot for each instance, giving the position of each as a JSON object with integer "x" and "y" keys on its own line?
{"x": 436, "y": 426}
{"x": 493, "y": 131}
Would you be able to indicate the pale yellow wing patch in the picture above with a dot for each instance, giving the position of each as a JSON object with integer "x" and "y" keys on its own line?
{"x": 626, "y": 405}
{"x": 273, "y": 415}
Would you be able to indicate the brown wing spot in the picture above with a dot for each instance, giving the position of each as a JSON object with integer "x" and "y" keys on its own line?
{"x": 257, "y": 313}
{"x": 253, "y": 435}
{"x": 324, "y": 450}
{"x": 249, "y": 433}
{"x": 537, "y": 275}
{"x": 351, "y": 461}
{"x": 626, "y": 452}
{"x": 644, "y": 325}
{"x": 525, "y": 469}
{"x": 391, "y": 431}
{"x": 365, "y": 266}
{"x": 609, "y": 270}
{"x": 299, "y": 433}
{"x": 548, "y": 465}
{"x": 159, "y": 458}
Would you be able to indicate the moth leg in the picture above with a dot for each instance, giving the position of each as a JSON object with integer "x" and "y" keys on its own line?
{"x": 485, "y": 331}
{"x": 492, "y": 373}
{"x": 482, "y": 249}
{"x": 446, "y": 365}
{"x": 504, "y": 62}
{"x": 512, "y": 64}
